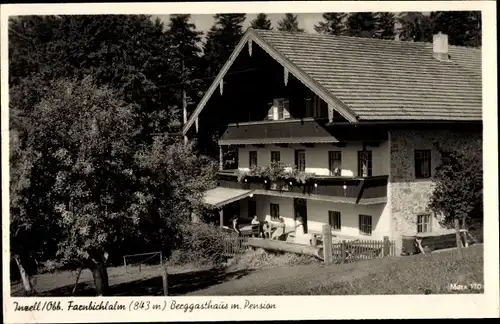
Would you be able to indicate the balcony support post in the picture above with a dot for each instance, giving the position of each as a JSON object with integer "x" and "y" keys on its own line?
{"x": 330, "y": 112}
{"x": 221, "y": 217}
{"x": 221, "y": 165}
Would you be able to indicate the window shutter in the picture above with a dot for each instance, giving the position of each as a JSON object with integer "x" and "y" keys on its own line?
{"x": 286, "y": 109}
{"x": 270, "y": 113}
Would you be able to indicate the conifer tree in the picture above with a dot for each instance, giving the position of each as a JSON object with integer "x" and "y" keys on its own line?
{"x": 290, "y": 23}
{"x": 261, "y": 22}
{"x": 333, "y": 23}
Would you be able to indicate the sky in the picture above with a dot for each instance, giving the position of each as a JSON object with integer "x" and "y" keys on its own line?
{"x": 204, "y": 22}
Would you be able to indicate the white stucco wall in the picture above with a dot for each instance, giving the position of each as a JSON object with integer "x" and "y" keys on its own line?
{"x": 317, "y": 215}
{"x": 317, "y": 157}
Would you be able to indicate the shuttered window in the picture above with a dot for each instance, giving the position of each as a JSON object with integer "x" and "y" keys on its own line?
{"x": 275, "y": 156}
{"x": 335, "y": 162}
{"x": 365, "y": 225}
{"x": 422, "y": 164}
{"x": 334, "y": 220}
{"x": 252, "y": 159}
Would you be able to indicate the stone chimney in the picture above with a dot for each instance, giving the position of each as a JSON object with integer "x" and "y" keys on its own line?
{"x": 440, "y": 47}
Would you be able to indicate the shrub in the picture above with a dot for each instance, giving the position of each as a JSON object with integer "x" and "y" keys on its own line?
{"x": 203, "y": 245}
{"x": 259, "y": 258}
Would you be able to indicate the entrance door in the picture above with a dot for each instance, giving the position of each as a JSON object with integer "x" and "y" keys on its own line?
{"x": 300, "y": 210}
{"x": 252, "y": 208}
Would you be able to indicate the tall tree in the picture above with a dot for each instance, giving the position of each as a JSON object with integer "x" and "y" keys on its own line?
{"x": 415, "y": 26}
{"x": 221, "y": 40}
{"x": 462, "y": 27}
{"x": 361, "y": 24}
{"x": 185, "y": 40}
{"x": 261, "y": 22}
{"x": 385, "y": 25}
{"x": 92, "y": 189}
{"x": 128, "y": 52}
{"x": 459, "y": 186}
{"x": 333, "y": 23}
{"x": 289, "y": 23}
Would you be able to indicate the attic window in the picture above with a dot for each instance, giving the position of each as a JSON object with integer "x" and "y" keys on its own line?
{"x": 280, "y": 109}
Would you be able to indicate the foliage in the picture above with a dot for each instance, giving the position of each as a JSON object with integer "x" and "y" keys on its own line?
{"x": 289, "y": 23}
{"x": 276, "y": 171}
{"x": 385, "y": 27}
{"x": 82, "y": 186}
{"x": 261, "y": 22}
{"x": 459, "y": 184}
{"x": 73, "y": 172}
{"x": 203, "y": 245}
{"x": 415, "y": 26}
{"x": 129, "y": 53}
{"x": 333, "y": 23}
{"x": 462, "y": 27}
{"x": 361, "y": 24}
{"x": 221, "y": 40}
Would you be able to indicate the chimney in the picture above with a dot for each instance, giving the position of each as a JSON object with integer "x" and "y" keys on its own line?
{"x": 440, "y": 47}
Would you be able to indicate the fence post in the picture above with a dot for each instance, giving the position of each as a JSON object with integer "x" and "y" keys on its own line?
{"x": 327, "y": 243}
{"x": 343, "y": 251}
{"x": 386, "y": 246}
{"x": 165, "y": 281}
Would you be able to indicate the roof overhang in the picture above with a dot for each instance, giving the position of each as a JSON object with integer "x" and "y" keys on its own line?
{"x": 219, "y": 196}
{"x": 251, "y": 36}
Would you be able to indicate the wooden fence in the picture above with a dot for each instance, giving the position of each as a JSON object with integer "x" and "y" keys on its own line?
{"x": 350, "y": 251}
{"x": 234, "y": 245}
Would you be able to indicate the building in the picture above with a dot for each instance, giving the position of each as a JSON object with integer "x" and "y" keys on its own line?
{"x": 358, "y": 120}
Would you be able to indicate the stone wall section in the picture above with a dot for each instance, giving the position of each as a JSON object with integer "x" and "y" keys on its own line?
{"x": 410, "y": 196}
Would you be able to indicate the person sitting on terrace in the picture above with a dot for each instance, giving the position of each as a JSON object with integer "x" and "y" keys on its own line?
{"x": 280, "y": 230}
{"x": 236, "y": 223}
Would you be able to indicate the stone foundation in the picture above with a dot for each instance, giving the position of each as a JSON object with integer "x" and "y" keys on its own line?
{"x": 410, "y": 196}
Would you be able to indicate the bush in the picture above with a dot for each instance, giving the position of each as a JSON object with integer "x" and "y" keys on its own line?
{"x": 259, "y": 258}
{"x": 203, "y": 245}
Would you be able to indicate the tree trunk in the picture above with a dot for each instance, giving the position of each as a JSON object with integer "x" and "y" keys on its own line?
{"x": 28, "y": 288}
{"x": 459, "y": 240}
{"x": 100, "y": 275}
{"x": 464, "y": 226}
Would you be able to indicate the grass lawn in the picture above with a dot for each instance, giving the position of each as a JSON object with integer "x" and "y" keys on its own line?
{"x": 420, "y": 274}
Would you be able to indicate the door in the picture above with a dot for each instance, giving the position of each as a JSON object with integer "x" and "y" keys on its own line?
{"x": 300, "y": 160}
{"x": 252, "y": 208}
{"x": 300, "y": 210}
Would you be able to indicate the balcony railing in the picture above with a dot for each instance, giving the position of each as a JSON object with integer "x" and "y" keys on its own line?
{"x": 359, "y": 188}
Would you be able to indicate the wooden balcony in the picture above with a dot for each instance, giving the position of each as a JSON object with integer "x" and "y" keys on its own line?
{"x": 357, "y": 190}
{"x": 307, "y": 130}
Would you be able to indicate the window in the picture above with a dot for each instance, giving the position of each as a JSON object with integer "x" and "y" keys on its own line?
{"x": 334, "y": 220}
{"x": 300, "y": 160}
{"x": 422, "y": 164}
{"x": 279, "y": 110}
{"x": 252, "y": 159}
{"x": 364, "y": 163}
{"x": 335, "y": 162}
{"x": 275, "y": 156}
{"x": 365, "y": 224}
{"x": 423, "y": 223}
{"x": 275, "y": 211}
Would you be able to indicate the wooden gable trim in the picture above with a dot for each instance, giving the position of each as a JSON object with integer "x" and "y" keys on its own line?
{"x": 307, "y": 80}
{"x": 217, "y": 82}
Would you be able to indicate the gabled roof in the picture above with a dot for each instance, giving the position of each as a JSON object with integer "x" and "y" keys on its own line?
{"x": 372, "y": 79}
